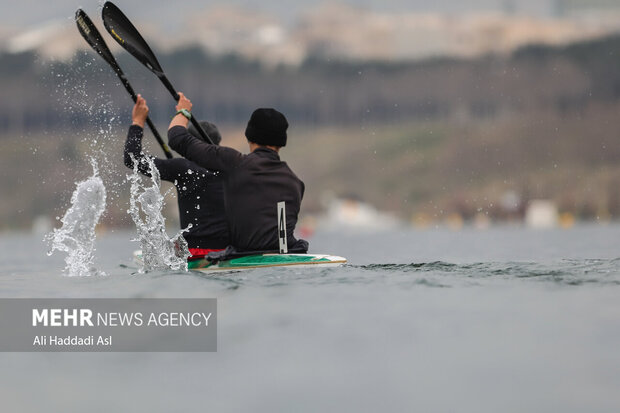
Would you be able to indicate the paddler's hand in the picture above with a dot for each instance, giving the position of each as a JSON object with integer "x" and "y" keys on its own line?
{"x": 180, "y": 119}
{"x": 183, "y": 103}
{"x": 140, "y": 112}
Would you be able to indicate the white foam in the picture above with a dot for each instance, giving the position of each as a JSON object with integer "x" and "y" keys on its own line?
{"x": 159, "y": 251}
{"x": 77, "y": 235}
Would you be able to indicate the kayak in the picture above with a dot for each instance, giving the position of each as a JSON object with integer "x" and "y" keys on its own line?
{"x": 261, "y": 261}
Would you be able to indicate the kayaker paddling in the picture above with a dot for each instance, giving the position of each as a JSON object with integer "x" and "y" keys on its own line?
{"x": 200, "y": 191}
{"x": 254, "y": 184}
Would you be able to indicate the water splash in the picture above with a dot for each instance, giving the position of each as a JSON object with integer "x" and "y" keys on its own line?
{"x": 159, "y": 252}
{"x": 76, "y": 237}
{"x": 80, "y": 88}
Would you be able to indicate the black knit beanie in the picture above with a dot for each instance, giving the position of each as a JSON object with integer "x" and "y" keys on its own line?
{"x": 267, "y": 127}
{"x": 211, "y": 130}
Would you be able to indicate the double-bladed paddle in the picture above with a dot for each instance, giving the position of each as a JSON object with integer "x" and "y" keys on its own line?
{"x": 92, "y": 36}
{"x": 126, "y": 34}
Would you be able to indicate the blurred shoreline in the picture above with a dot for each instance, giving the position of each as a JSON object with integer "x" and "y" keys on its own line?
{"x": 451, "y": 141}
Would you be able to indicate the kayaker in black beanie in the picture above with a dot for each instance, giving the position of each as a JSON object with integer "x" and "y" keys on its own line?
{"x": 200, "y": 191}
{"x": 253, "y": 184}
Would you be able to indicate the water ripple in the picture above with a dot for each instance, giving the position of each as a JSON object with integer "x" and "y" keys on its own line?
{"x": 567, "y": 272}
{"x": 436, "y": 274}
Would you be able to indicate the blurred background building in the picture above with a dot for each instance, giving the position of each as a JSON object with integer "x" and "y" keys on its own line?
{"x": 344, "y": 31}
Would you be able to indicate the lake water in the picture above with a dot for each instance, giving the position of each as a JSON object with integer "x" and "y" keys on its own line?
{"x": 501, "y": 320}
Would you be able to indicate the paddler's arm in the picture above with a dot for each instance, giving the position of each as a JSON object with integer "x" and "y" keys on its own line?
{"x": 171, "y": 170}
{"x": 208, "y": 156}
{"x": 133, "y": 143}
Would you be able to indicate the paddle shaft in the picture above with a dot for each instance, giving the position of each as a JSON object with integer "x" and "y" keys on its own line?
{"x": 92, "y": 36}
{"x": 176, "y": 97}
{"x": 127, "y": 35}
{"x": 150, "y": 124}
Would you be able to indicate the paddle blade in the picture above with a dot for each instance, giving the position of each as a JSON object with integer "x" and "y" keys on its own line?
{"x": 92, "y": 36}
{"x": 125, "y": 33}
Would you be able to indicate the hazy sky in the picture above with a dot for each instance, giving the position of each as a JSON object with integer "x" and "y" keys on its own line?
{"x": 169, "y": 12}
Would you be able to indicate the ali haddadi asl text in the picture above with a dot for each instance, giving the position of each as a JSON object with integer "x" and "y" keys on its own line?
{"x": 72, "y": 341}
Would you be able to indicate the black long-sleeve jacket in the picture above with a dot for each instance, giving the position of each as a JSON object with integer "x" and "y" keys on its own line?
{"x": 200, "y": 194}
{"x": 253, "y": 185}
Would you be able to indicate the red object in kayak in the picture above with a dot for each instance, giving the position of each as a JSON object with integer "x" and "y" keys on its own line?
{"x": 198, "y": 253}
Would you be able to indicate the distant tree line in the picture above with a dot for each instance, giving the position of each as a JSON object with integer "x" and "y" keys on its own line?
{"x": 319, "y": 92}
{"x": 434, "y": 138}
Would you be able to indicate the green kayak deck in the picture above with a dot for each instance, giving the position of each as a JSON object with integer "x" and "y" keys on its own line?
{"x": 261, "y": 261}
